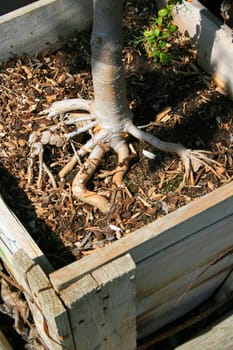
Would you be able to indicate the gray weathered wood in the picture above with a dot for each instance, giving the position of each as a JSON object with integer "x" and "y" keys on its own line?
{"x": 41, "y": 25}
{"x": 178, "y": 259}
{"x": 102, "y": 307}
{"x": 218, "y": 336}
{"x": 14, "y": 236}
{"x": 157, "y": 236}
{"x": 181, "y": 259}
{"x": 212, "y": 40}
{"x": 186, "y": 274}
{"x": 48, "y": 312}
{"x": 226, "y": 289}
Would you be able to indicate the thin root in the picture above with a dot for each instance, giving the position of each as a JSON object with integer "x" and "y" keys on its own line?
{"x": 50, "y": 175}
{"x": 193, "y": 160}
{"x": 98, "y": 145}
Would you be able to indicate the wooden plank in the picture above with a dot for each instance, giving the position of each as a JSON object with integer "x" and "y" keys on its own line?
{"x": 177, "y": 269}
{"x": 185, "y": 270}
{"x": 190, "y": 259}
{"x": 102, "y": 307}
{"x": 212, "y": 40}
{"x": 159, "y": 235}
{"x": 226, "y": 289}
{"x": 4, "y": 344}
{"x": 48, "y": 312}
{"x": 41, "y": 24}
{"x": 14, "y": 236}
{"x": 217, "y": 336}
{"x": 161, "y": 311}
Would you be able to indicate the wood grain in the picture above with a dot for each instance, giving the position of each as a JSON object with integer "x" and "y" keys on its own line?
{"x": 180, "y": 259}
{"x": 181, "y": 224}
{"x": 102, "y": 307}
{"x": 218, "y": 336}
{"x": 41, "y": 25}
{"x": 14, "y": 236}
{"x": 48, "y": 312}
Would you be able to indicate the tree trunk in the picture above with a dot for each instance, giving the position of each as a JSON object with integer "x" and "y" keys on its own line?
{"x": 110, "y": 106}
{"x": 110, "y": 111}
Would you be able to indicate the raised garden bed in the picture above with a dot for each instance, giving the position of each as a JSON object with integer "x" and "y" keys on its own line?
{"x": 140, "y": 283}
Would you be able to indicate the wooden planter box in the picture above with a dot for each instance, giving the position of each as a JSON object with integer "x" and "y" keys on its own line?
{"x": 140, "y": 283}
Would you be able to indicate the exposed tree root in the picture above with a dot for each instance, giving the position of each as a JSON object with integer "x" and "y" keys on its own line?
{"x": 61, "y": 107}
{"x": 98, "y": 145}
{"x": 80, "y": 181}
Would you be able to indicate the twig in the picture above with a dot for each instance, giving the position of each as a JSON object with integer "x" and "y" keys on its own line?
{"x": 50, "y": 175}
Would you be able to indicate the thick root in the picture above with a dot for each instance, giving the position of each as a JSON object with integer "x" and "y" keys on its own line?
{"x": 63, "y": 106}
{"x": 122, "y": 150}
{"x": 100, "y": 142}
{"x": 95, "y": 200}
{"x": 80, "y": 181}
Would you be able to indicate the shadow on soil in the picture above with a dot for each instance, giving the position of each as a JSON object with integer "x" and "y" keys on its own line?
{"x": 19, "y": 203}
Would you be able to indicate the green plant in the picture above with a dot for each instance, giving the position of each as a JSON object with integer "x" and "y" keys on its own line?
{"x": 156, "y": 39}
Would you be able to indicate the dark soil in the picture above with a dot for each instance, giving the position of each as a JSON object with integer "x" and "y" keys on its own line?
{"x": 195, "y": 112}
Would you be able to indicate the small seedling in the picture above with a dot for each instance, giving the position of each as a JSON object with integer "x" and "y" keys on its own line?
{"x": 158, "y": 36}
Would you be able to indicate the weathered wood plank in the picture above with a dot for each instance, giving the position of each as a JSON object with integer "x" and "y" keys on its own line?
{"x": 153, "y": 238}
{"x": 4, "y": 344}
{"x": 102, "y": 307}
{"x": 178, "y": 266}
{"x": 212, "y": 40}
{"x": 160, "y": 312}
{"x": 49, "y": 314}
{"x": 185, "y": 275}
{"x": 226, "y": 288}
{"x": 218, "y": 336}
{"x": 14, "y": 236}
{"x": 39, "y": 25}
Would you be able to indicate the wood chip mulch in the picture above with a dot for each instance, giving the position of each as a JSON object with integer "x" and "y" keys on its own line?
{"x": 180, "y": 103}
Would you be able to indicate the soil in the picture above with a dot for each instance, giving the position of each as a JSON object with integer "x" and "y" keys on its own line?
{"x": 179, "y": 102}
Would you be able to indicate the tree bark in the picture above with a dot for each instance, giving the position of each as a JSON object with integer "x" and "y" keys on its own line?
{"x": 111, "y": 105}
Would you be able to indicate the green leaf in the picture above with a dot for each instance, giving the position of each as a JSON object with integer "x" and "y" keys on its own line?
{"x": 169, "y": 18}
{"x": 164, "y": 58}
{"x": 159, "y": 20}
{"x": 147, "y": 33}
{"x": 165, "y": 34}
{"x": 163, "y": 12}
{"x": 156, "y": 31}
{"x": 162, "y": 44}
{"x": 170, "y": 7}
{"x": 172, "y": 28}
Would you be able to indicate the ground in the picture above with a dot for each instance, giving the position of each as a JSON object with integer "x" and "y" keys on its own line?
{"x": 179, "y": 102}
